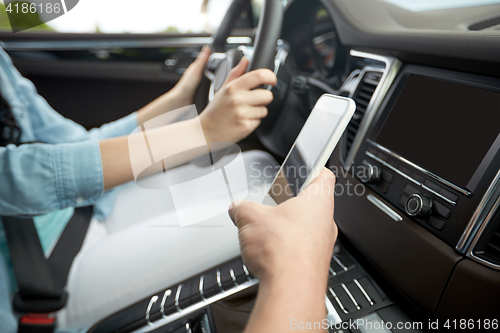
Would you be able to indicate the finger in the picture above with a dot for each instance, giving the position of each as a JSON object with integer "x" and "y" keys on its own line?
{"x": 255, "y": 78}
{"x": 255, "y": 113}
{"x": 203, "y": 56}
{"x": 257, "y": 97}
{"x": 252, "y": 124}
{"x": 234, "y": 209}
{"x": 323, "y": 185}
{"x": 195, "y": 71}
{"x": 239, "y": 70}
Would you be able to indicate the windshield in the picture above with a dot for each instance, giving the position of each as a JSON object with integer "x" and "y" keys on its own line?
{"x": 426, "y": 5}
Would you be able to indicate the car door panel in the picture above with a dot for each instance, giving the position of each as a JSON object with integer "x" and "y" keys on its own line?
{"x": 94, "y": 79}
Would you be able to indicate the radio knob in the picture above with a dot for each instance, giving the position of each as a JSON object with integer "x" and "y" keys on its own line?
{"x": 371, "y": 173}
{"x": 420, "y": 205}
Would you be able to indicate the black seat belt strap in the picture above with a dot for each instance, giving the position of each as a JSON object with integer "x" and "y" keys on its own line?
{"x": 42, "y": 281}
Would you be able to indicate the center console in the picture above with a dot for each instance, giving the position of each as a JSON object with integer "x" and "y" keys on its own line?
{"x": 433, "y": 150}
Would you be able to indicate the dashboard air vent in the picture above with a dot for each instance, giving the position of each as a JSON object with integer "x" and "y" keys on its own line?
{"x": 485, "y": 24}
{"x": 488, "y": 246}
{"x": 362, "y": 96}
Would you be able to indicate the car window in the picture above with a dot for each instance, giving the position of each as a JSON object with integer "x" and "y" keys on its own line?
{"x": 120, "y": 16}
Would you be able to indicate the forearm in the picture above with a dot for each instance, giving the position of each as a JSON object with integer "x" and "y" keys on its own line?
{"x": 282, "y": 305}
{"x": 174, "y": 144}
{"x": 170, "y": 101}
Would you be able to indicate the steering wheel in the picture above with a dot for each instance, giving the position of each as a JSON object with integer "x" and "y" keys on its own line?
{"x": 262, "y": 55}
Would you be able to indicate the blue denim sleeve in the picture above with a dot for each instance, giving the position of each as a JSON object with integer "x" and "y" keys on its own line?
{"x": 41, "y": 178}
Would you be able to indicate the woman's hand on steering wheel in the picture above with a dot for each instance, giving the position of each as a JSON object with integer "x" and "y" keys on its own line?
{"x": 186, "y": 88}
{"x": 237, "y": 108}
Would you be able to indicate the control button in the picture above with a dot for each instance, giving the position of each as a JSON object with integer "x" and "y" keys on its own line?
{"x": 381, "y": 156}
{"x": 418, "y": 205}
{"x": 185, "y": 295}
{"x": 383, "y": 186}
{"x": 210, "y": 287}
{"x": 229, "y": 272}
{"x": 363, "y": 291}
{"x": 153, "y": 300}
{"x": 358, "y": 307}
{"x": 441, "y": 210}
{"x": 417, "y": 177}
{"x": 168, "y": 302}
{"x": 372, "y": 151}
{"x": 197, "y": 289}
{"x": 165, "y": 297}
{"x": 404, "y": 170}
{"x": 177, "y": 298}
{"x": 341, "y": 263}
{"x": 432, "y": 186}
{"x": 448, "y": 195}
{"x": 410, "y": 190}
{"x": 237, "y": 267}
{"x": 387, "y": 176}
{"x": 340, "y": 292}
{"x": 402, "y": 199}
{"x": 357, "y": 295}
{"x": 337, "y": 300}
{"x": 370, "y": 173}
{"x": 393, "y": 163}
{"x": 370, "y": 290}
{"x": 436, "y": 223}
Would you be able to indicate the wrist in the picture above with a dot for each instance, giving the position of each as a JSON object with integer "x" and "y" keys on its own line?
{"x": 181, "y": 95}
{"x": 311, "y": 278}
{"x": 205, "y": 125}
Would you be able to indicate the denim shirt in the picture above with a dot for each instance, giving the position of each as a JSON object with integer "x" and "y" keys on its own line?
{"x": 63, "y": 171}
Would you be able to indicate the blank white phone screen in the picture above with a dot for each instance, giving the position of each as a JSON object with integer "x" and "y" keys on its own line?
{"x": 311, "y": 142}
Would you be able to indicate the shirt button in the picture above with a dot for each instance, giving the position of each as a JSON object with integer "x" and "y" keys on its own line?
{"x": 79, "y": 200}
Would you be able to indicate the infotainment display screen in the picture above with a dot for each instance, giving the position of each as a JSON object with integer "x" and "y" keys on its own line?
{"x": 447, "y": 128}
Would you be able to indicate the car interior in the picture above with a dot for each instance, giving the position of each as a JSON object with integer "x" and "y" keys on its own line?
{"x": 417, "y": 201}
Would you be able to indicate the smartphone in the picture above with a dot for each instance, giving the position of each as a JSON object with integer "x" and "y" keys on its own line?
{"x": 312, "y": 149}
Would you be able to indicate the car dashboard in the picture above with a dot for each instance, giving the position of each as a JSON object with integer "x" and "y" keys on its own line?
{"x": 418, "y": 181}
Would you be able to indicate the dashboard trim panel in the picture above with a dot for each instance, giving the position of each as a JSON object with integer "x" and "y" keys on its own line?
{"x": 485, "y": 223}
{"x": 183, "y": 312}
{"x": 479, "y": 220}
{"x": 392, "y": 67}
{"x": 424, "y": 171}
{"x": 383, "y": 207}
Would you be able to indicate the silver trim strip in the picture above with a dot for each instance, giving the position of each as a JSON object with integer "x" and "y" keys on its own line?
{"x": 479, "y": 215}
{"x": 200, "y": 287}
{"x": 419, "y": 168}
{"x": 404, "y": 175}
{"x": 233, "y": 277}
{"x": 383, "y": 207}
{"x": 190, "y": 309}
{"x": 219, "y": 284}
{"x": 332, "y": 271}
{"x": 340, "y": 263}
{"x": 177, "y": 296}
{"x": 331, "y": 313}
{"x": 164, "y": 299}
{"x": 338, "y": 300}
{"x": 105, "y": 44}
{"x": 487, "y": 220}
{"x": 350, "y": 296}
{"x": 112, "y": 44}
{"x": 392, "y": 67}
{"x": 148, "y": 310}
{"x": 368, "y": 298}
{"x": 247, "y": 273}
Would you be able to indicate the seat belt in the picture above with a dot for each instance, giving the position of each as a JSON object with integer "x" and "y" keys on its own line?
{"x": 42, "y": 281}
